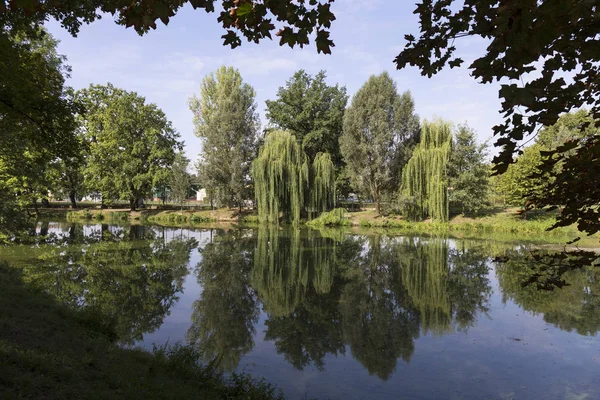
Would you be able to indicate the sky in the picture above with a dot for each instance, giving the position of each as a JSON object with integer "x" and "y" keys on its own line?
{"x": 167, "y": 65}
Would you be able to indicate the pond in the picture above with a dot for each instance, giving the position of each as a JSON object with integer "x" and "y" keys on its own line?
{"x": 334, "y": 314}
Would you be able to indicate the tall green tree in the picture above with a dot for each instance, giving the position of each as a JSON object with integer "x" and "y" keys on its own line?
{"x": 36, "y": 109}
{"x": 568, "y": 169}
{"x": 312, "y": 111}
{"x": 179, "y": 179}
{"x": 225, "y": 118}
{"x": 468, "y": 172}
{"x": 518, "y": 183}
{"x": 380, "y": 129}
{"x": 70, "y": 173}
{"x": 425, "y": 178}
{"x": 132, "y": 144}
{"x": 36, "y": 118}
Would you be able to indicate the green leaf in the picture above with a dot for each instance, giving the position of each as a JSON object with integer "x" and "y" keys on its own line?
{"x": 244, "y": 9}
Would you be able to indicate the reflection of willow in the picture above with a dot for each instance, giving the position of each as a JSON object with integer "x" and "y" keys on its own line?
{"x": 449, "y": 287}
{"x": 425, "y": 276}
{"x": 304, "y": 319}
{"x": 127, "y": 286}
{"x": 284, "y": 266}
{"x": 223, "y": 317}
{"x": 574, "y": 307}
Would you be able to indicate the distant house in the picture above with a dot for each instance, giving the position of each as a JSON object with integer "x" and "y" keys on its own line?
{"x": 201, "y": 194}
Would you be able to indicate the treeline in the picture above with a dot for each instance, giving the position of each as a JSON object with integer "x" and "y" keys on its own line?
{"x": 318, "y": 146}
{"x": 317, "y": 149}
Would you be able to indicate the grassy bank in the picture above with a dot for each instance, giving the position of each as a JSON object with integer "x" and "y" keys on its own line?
{"x": 508, "y": 222}
{"x": 165, "y": 217}
{"x": 52, "y": 352}
{"x": 98, "y": 215}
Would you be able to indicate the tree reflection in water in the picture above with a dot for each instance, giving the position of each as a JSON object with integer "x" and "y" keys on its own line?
{"x": 223, "y": 317}
{"x": 321, "y": 292}
{"x": 126, "y": 278}
{"x": 575, "y": 306}
{"x": 324, "y": 292}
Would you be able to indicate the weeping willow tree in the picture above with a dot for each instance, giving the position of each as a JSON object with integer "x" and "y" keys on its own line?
{"x": 285, "y": 182}
{"x": 424, "y": 177}
{"x": 322, "y": 185}
{"x": 280, "y": 174}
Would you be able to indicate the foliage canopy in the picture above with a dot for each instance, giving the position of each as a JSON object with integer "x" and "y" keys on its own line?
{"x": 312, "y": 111}
{"x": 250, "y": 19}
{"x": 225, "y": 118}
{"x": 132, "y": 144}
{"x": 380, "y": 129}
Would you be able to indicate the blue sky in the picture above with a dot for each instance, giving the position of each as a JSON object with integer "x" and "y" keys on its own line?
{"x": 168, "y": 64}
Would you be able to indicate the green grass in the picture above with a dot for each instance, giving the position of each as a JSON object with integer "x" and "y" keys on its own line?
{"x": 249, "y": 219}
{"x": 97, "y": 215}
{"x": 506, "y": 224}
{"x": 50, "y": 351}
{"x": 334, "y": 217}
{"x": 179, "y": 217}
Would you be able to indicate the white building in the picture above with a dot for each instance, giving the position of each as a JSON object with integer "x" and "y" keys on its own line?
{"x": 201, "y": 195}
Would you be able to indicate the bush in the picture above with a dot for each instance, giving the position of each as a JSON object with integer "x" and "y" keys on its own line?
{"x": 334, "y": 217}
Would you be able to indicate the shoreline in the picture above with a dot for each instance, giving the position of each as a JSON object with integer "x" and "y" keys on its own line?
{"x": 507, "y": 225}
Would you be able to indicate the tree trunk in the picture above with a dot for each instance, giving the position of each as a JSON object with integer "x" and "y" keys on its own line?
{"x": 73, "y": 199}
{"x": 376, "y": 198}
{"x": 45, "y": 203}
{"x": 377, "y": 201}
{"x": 132, "y": 204}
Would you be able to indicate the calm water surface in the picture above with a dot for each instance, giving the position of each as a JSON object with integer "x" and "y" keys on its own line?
{"x": 327, "y": 314}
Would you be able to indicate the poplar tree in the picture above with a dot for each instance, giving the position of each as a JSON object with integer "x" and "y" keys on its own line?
{"x": 380, "y": 129}
{"x": 225, "y": 119}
